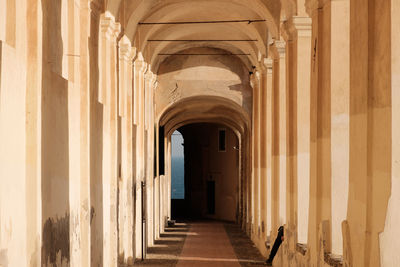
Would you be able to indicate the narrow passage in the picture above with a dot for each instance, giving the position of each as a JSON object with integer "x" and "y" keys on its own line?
{"x": 205, "y": 243}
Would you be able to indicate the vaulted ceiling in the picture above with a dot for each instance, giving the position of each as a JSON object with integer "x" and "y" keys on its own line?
{"x": 247, "y": 38}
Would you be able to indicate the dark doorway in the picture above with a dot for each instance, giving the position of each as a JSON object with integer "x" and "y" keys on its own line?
{"x": 210, "y": 177}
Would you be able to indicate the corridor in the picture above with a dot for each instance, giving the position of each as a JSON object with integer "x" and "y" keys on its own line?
{"x": 288, "y": 112}
{"x": 203, "y": 243}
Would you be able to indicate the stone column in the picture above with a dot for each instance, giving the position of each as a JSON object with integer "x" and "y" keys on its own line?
{"x": 269, "y": 122}
{"x": 313, "y": 220}
{"x": 150, "y": 80}
{"x": 340, "y": 120}
{"x": 297, "y": 33}
{"x": 275, "y": 142}
{"x": 140, "y": 68}
{"x": 263, "y": 152}
{"x": 33, "y": 130}
{"x": 370, "y": 127}
{"x": 255, "y": 154}
{"x": 281, "y": 49}
{"x": 302, "y": 36}
{"x": 389, "y": 243}
{"x": 126, "y": 55}
{"x": 108, "y": 96}
{"x": 84, "y": 70}
{"x": 71, "y": 72}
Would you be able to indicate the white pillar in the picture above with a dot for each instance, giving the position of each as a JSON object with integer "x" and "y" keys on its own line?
{"x": 302, "y": 26}
{"x": 389, "y": 241}
{"x": 281, "y": 48}
{"x": 126, "y": 55}
{"x": 340, "y": 121}
{"x": 108, "y": 96}
{"x": 269, "y": 119}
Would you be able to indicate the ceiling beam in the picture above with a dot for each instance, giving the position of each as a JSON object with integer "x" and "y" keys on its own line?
{"x": 194, "y": 40}
{"x": 189, "y": 54}
{"x": 248, "y": 21}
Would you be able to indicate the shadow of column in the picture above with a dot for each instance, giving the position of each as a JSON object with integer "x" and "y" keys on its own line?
{"x": 55, "y": 144}
{"x": 96, "y": 146}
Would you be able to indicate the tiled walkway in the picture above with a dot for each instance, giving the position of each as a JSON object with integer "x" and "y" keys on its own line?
{"x": 205, "y": 243}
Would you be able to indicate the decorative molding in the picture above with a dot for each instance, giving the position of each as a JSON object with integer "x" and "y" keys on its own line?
{"x": 126, "y": 51}
{"x": 252, "y": 80}
{"x": 296, "y": 27}
{"x": 303, "y": 26}
{"x": 268, "y": 63}
{"x": 140, "y": 66}
{"x": 281, "y": 48}
{"x": 109, "y": 27}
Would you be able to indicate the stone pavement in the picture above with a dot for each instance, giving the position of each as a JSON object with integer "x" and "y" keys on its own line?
{"x": 203, "y": 243}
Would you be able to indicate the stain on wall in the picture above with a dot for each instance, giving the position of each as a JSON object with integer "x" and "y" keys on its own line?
{"x": 3, "y": 258}
{"x": 56, "y": 240}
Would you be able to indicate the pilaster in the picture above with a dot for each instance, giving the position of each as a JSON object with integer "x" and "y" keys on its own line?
{"x": 109, "y": 31}
{"x": 254, "y": 151}
{"x": 126, "y": 55}
{"x": 268, "y": 62}
{"x": 302, "y": 66}
{"x": 263, "y": 153}
{"x": 340, "y": 122}
{"x": 281, "y": 50}
{"x": 388, "y": 244}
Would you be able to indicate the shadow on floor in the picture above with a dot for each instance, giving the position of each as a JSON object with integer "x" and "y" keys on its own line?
{"x": 244, "y": 248}
{"x": 166, "y": 250}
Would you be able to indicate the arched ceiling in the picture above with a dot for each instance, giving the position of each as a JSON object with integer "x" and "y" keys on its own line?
{"x": 251, "y": 39}
{"x": 205, "y": 109}
{"x": 130, "y": 12}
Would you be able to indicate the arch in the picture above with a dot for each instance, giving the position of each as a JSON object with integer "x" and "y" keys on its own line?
{"x": 248, "y": 61}
{"x": 205, "y": 109}
{"x": 233, "y": 47}
{"x": 268, "y": 9}
{"x": 180, "y": 11}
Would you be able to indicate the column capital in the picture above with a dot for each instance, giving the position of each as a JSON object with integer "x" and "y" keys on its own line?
{"x": 126, "y": 51}
{"x": 302, "y": 25}
{"x": 140, "y": 65}
{"x": 109, "y": 27}
{"x": 268, "y": 63}
{"x": 149, "y": 75}
{"x": 280, "y": 46}
{"x": 260, "y": 68}
{"x": 296, "y": 27}
{"x": 254, "y": 79}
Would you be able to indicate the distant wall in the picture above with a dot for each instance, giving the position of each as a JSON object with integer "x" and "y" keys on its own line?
{"x": 203, "y": 163}
{"x": 181, "y": 77}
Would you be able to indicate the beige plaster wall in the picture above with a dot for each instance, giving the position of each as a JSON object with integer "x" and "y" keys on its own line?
{"x": 12, "y": 158}
{"x": 181, "y": 77}
{"x": 389, "y": 255}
